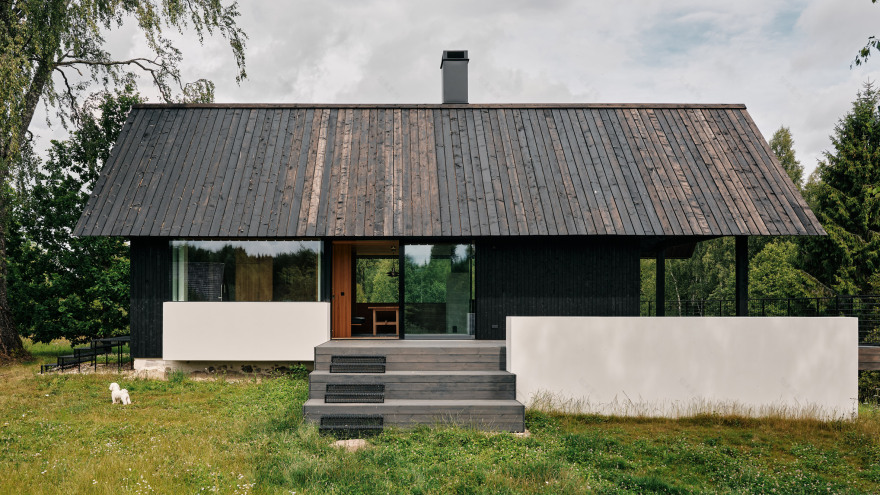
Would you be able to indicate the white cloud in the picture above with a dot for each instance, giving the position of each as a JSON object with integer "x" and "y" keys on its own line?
{"x": 787, "y": 60}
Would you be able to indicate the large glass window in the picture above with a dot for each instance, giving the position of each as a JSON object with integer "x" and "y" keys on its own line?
{"x": 439, "y": 289}
{"x": 246, "y": 270}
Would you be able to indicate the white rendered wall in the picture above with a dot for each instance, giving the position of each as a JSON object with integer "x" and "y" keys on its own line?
{"x": 675, "y": 366}
{"x": 244, "y": 331}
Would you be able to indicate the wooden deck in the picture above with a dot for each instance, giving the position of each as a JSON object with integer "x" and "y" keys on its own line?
{"x": 869, "y": 357}
{"x": 425, "y": 382}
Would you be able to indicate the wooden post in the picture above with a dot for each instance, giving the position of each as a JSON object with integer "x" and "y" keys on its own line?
{"x": 742, "y": 275}
{"x": 660, "y": 282}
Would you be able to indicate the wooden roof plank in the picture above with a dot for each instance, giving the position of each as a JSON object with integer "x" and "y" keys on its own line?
{"x": 634, "y": 186}
{"x": 442, "y": 181}
{"x": 170, "y": 188}
{"x": 202, "y": 191}
{"x": 498, "y": 176}
{"x": 415, "y": 175}
{"x": 321, "y": 222}
{"x": 144, "y": 195}
{"x": 433, "y": 189}
{"x": 776, "y": 181}
{"x": 550, "y": 172}
{"x": 526, "y": 169}
{"x": 484, "y": 169}
{"x": 704, "y": 184}
{"x": 809, "y": 223}
{"x": 516, "y": 215}
{"x": 424, "y": 174}
{"x": 88, "y": 221}
{"x": 119, "y": 188}
{"x": 191, "y": 184}
{"x": 289, "y": 171}
{"x": 311, "y": 184}
{"x": 647, "y": 173}
{"x": 747, "y": 207}
{"x": 568, "y": 172}
{"x": 477, "y": 219}
{"x": 710, "y": 163}
{"x": 745, "y": 169}
{"x": 362, "y": 169}
{"x": 245, "y": 183}
{"x": 267, "y": 217}
{"x": 678, "y": 206}
{"x": 471, "y": 154}
{"x": 586, "y": 201}
{"x": 690, "y": 187}
{"x": 267, "y": 176}
{"x": 616, "y": 206}
{"x": 589, "y": 164}
{"x": 309, "y": 135}
{"x": 461, "y": 199}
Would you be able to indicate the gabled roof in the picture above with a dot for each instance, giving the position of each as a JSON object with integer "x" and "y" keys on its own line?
{"x": 443, "y": 170}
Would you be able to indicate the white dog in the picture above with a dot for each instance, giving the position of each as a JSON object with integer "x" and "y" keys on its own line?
{"x": 119, "y": 396}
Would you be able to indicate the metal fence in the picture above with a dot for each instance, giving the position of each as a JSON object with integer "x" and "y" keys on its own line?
{"x": 865, "y": 308}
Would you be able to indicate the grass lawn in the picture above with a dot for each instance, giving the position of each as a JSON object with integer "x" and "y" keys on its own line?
{"x": 59, "y": 433}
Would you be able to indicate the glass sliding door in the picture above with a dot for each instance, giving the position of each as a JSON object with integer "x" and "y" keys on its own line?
{"x": 438, "y": 290}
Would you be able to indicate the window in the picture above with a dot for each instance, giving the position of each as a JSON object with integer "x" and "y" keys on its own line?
{"x": 246, "y": 270}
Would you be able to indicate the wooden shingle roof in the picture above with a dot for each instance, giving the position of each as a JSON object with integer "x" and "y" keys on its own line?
{"x": 266, "y": 171}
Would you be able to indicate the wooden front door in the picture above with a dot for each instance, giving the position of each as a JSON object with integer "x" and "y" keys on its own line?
{"x": 342, "y": 293}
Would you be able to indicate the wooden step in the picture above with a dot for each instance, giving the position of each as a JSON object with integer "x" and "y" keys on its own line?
{"x": 443, "y": 385}
{"x": 488, "y": 415}
{"x": 415, "y": 355}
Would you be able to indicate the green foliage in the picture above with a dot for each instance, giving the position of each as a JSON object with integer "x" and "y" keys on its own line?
{"x": 782, "y": 145}
{"x": 60, "y": 285}
{"x": 843, "y": 194}
{"x": 773, "y": 274}
{"x": 374, "y": 285}
{"x": 869, "y": 387}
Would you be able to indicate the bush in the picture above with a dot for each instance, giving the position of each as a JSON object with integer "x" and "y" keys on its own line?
{"x": 869, "y": 387}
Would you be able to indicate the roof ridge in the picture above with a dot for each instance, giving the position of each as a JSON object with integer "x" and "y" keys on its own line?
{"x": 441, "y": 106}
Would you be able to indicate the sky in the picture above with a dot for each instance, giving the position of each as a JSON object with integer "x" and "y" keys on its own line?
{"x": 788, "y": 61}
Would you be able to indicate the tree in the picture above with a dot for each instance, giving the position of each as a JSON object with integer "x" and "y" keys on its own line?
{"x": 845, "y": 195}
{"x": 782, "y": 145}
{"x": 865, "y": 53}
{"x": 44, "y": 39}
{"x": 60, "y": 285}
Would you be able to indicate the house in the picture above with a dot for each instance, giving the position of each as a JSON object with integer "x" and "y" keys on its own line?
{"x": 269, "y": 214}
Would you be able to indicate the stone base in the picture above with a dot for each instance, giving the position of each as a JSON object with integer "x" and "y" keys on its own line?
{"x": 159, "y": 367}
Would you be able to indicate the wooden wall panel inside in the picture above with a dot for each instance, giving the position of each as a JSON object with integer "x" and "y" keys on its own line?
{"x": 150, "y": 287}
{"x": 521, "y": 277}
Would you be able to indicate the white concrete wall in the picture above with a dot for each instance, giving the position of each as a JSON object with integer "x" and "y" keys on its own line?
{"x": 672, "y": 366}
{"x": 243, "y": 331}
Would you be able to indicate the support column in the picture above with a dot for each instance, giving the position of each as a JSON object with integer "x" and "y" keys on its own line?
{"x": 742, "y": 275}
{"x": 660, "y": 283}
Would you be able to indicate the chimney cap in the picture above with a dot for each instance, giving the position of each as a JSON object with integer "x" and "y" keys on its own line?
{"x": 454, "y": 56}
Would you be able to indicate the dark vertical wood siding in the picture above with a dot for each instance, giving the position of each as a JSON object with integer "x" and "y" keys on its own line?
{"x": 555, "y": 277}
{"x": 150, "y": 287}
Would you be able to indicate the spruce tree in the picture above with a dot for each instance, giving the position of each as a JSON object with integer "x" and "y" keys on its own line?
{"x": 845, "y": 195}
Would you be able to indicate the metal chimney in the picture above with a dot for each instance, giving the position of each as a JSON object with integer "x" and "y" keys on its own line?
{"x": 455, "y": 80}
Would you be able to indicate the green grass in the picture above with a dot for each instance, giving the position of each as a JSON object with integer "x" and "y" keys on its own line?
{"x": 60, "y": 434}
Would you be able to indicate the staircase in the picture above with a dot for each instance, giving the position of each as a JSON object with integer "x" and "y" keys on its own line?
{"x": 360, "y": 386}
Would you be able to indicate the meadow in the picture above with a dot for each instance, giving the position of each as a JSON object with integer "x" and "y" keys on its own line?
{"x": 59, "y": 433}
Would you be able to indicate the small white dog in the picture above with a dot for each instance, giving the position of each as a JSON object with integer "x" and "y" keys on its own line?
{"x": 119, "y": 396}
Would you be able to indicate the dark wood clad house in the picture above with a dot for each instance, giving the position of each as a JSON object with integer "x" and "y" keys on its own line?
{"x": 558, "y": 202}
{"x": 476, "y": 212}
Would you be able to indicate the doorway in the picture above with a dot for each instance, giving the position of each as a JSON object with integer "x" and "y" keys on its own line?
{"x": 366, "y": 290}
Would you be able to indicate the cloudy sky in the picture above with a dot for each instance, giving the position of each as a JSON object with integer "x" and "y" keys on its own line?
{"x": 787, "y": 60}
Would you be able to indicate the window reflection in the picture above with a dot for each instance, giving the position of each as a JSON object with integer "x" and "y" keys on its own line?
{"x": 246, "y": 270}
